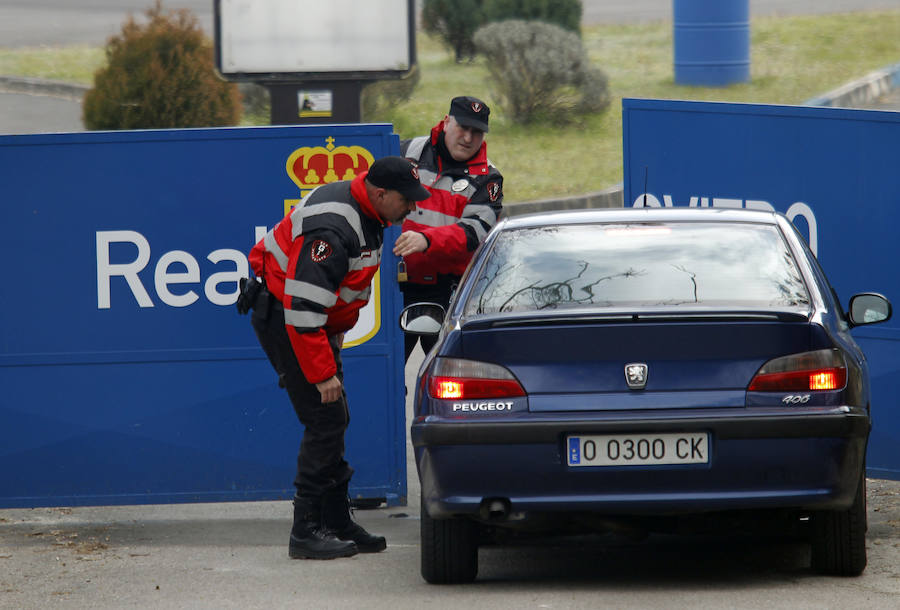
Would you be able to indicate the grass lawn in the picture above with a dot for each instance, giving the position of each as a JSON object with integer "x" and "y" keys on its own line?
{"x": 793, "y": 59}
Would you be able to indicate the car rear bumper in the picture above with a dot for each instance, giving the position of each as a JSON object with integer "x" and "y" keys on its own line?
{"x": 802, "y": 460}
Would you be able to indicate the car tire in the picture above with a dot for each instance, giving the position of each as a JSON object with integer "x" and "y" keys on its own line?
{"x": 449, "y": 549}
{"x": 839, "y": 537}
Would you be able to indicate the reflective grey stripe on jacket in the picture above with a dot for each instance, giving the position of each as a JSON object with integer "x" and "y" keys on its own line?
{"x": 416, "y": 146}
{"x": 348, "y": 294}
{"x": 427, "y": 177}
{"x": 310, "y": 292}
{"x": 329, "y": 207}
{"x": 477, "y": 216}
{"x": 359, "y": 263}
{"x": 272, "y": 246}
{"x": 305, "y": 319}
{"x": 433, "y": 218}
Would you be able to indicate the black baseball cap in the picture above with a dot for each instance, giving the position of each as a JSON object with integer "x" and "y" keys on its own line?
{"x": 398, "y": 174}
{"x": 470, "y": 112}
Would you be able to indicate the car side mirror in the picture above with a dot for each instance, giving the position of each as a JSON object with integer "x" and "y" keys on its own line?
{"x": 869, "y": 308}
{"x": 422, "y": 318}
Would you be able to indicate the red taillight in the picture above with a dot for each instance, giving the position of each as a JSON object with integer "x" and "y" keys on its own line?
{"x": 828, "y": 380}
{"x": 442, "y": 387}
{"x": 446, "y": 388}
{"x": 819, "y": 370}
{"x": 455, "y": 379}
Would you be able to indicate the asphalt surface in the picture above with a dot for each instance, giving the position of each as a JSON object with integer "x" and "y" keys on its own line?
{"x": 63, "y": 22}
{"x": 22, "y": 113}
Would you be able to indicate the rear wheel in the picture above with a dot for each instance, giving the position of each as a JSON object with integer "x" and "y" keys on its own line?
{"x": 449, "y": 549}
{"x": 839, "y": 537}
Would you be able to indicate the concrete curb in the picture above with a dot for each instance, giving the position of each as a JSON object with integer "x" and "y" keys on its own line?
{"x": 41, "y": 86}
{"x": 864, "y": 90}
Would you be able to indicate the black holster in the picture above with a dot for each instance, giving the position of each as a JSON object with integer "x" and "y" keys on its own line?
{"x": 250, "y": 292}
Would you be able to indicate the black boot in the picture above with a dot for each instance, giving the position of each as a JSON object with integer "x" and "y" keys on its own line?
{"x": 309, "y": 540}
{"x": 337, "y": 520}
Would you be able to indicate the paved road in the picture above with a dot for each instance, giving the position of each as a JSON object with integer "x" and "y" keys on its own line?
{"x": 64, "y": 22}
{"x": 22, "y": 114}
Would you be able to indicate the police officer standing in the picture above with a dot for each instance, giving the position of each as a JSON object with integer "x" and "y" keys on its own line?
{"x": 316, "y": 267}
{"x": 438, "y": 240}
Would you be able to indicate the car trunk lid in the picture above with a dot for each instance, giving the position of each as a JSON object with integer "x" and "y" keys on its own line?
{"x": 690, "y": 362}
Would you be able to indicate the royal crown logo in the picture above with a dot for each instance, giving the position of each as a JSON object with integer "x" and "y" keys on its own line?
{"x": 313, "y": 166}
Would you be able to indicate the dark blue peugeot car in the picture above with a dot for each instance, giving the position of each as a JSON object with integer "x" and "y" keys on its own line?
{"x": 637, "y": 367}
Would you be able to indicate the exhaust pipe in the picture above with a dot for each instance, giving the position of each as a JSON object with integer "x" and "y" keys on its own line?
{"x": 495, "y": 509}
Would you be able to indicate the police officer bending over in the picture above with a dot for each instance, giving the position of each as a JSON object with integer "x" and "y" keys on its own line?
{"x": 316, "y": 268}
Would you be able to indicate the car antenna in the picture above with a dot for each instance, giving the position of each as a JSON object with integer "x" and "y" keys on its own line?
{"x": 645, "y": 186}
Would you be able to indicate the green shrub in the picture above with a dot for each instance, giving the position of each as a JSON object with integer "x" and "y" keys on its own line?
{"x": 542, "y": 71}
{"x": 564, "y": 13}
{"x": 454, "y": 22}
{"x": 160, "y": 75}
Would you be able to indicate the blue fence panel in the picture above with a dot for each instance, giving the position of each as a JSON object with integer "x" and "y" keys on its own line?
{"x": 128, "y": 375}
{"x": 832, "y": 171}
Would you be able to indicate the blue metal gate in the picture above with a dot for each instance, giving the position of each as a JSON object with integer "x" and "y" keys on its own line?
{"x": 832, "y": 171}
{"x": 127, "y": 374}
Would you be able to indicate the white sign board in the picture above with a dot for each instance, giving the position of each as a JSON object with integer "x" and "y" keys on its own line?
{"x": 312, "y": 39}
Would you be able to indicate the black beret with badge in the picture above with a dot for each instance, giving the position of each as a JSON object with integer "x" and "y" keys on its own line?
{"x": 470, "y": 112}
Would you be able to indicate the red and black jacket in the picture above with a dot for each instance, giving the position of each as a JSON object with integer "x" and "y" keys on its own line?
{"x": 466, "y": 199}
{"x": 319, "y": 261}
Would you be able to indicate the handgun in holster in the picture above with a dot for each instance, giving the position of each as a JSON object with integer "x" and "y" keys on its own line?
{"x": 250, "y": 290}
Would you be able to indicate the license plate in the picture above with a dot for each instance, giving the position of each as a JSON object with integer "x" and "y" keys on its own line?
{"x": 638, "y": 449}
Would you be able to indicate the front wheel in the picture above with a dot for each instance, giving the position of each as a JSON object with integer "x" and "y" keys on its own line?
{"x": 839, "y": 537}
{"x": 449, "y": 549}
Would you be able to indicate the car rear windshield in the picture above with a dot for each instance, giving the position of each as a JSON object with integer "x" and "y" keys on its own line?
{"x": 648, "y": 265}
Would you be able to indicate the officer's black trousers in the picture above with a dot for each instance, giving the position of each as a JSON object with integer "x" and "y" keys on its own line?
{"x": 320, "y": 462}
